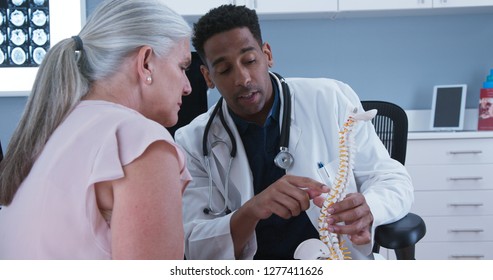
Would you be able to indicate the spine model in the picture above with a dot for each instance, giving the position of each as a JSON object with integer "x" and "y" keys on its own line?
{"x": 337, "y": 193}
{"x": 331, "y": 245}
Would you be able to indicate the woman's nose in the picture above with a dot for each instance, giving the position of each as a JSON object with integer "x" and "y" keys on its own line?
{"x": 188, "y": 87}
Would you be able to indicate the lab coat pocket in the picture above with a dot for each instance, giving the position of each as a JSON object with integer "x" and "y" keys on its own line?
{"x": 327, "y": 172}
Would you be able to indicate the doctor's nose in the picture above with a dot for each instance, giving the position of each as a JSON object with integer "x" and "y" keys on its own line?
{"x": 242, "y": 77}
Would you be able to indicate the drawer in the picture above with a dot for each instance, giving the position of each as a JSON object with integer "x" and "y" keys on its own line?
{"x": 454, "y": 251}
{"x": 453, "y": 203}
{"x": 463, "y": 228}
{"x": 452, "y": 177}
{"x": 449, "y": 151}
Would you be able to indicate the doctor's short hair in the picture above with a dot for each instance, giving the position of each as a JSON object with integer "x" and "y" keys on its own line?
{"x": 222, "y": 19}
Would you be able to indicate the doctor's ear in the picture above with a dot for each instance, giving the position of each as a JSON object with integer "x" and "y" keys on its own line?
{"x": 268, "y": 54}
{"x": 205, "y": 73}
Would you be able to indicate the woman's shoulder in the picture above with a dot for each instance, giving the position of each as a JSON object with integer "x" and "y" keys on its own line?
{"x": 117, "y": 117}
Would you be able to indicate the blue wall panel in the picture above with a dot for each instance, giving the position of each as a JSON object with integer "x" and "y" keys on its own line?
{"x": 398, "y": 59}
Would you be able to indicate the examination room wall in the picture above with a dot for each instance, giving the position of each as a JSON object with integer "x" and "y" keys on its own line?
{"x": 391, "y": 58}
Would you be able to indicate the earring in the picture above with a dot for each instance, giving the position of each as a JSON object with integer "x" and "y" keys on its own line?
{"x": 149, "y": 79}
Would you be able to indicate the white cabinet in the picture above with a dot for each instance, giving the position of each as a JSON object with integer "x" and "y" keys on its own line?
{"x": 197, "y": 8}
{"x": 264, "y": 8}
{"x": 292, "y": 6}
{"x": 358, "y": 5}
{"x": 461, "y": 3}
{"x": 291, "y": 9}
{"x": 453, "y": 181}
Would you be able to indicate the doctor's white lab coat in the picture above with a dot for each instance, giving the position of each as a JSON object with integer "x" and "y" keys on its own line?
{"x": 319, "y": 108}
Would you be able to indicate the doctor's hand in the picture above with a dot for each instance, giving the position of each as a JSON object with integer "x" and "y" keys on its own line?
{"x": 287, "y": 197}
{"x": 357, "y": 218}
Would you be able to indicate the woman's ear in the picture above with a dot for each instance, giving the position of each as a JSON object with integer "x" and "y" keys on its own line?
{"x": 144, "y": 64}
{"x": 205, "y": 72}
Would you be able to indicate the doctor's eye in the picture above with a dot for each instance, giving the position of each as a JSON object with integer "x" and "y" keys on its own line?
{"x": 223, "y": 71}
{"x": 251, "y": 61}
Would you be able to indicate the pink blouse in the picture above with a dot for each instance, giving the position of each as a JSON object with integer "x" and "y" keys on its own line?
{"x": 54, "y": 214}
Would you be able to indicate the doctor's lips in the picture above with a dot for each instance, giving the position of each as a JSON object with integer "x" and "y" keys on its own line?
{"x": 246, "y": 96}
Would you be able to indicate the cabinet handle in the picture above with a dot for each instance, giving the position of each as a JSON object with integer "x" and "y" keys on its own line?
{"x": 474, "y": 152}
{"x": 465, "y": 204}
{"x": 477, "y": 178}
{"x": 467, "y": 257}
{"x": 472, "y": 230}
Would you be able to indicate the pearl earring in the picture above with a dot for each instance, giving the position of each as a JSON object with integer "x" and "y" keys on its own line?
{"x": 149, "y": 79}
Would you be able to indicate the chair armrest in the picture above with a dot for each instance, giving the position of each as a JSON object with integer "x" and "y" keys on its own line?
{"x": 402, "y": 233}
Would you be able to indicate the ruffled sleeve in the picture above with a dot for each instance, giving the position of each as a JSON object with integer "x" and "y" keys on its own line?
{"x": 126, "y": 142}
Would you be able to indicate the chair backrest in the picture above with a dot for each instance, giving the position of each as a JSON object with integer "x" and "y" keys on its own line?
{"x": 195, "y": 103}
{"x": 391, "y": 125}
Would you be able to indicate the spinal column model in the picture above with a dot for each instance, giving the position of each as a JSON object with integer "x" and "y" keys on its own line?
{"x": 330, "y": 245}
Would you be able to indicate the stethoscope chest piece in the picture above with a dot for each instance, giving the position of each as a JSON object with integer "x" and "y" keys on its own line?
{"x": 284, "y": 159}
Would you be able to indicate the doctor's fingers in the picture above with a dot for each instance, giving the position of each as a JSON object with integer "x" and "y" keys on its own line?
{"x": 319, "y": 201}
{"x": 353, "y": 211}
{"x": 286, "y": 206}
{"x": 352, "y": 227}
{"x": 282, "y": 207}
{"x": 355, "y": 219}
{"x": 352, "y": 202}
{"x": 284, "y": 201}
{"x": 362, "y": 237}
{"x": 278, "y": 199}
{"x": 312, "y": 187}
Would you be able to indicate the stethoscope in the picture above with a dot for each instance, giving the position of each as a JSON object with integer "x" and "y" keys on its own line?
{"x": 284, "y": 159}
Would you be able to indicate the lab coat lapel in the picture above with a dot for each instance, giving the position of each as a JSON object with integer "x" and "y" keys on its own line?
{"x": 242, "y": 184}
{"x": 294, "y": 139}
{"x": 295, "y": 130}
{"x": 219, "y": 159}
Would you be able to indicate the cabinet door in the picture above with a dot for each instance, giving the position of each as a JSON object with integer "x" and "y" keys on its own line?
{"x": 458, "y": 229}
{"x": 453, "y": 203}
{"x": 292, "y": 6}
{"x": 358, "y": 5}
{"x": 461, "y": 3}
{"x": 454, "y": 251}
{"x": 194, "y": 7}
{"x": 449, "y": 151}
{"x": 451, "y": 177}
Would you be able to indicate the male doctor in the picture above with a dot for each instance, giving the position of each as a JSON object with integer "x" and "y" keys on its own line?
{"x": 240, "y": 204}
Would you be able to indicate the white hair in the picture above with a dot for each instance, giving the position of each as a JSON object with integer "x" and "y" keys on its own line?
{"x": 114, "y": 30}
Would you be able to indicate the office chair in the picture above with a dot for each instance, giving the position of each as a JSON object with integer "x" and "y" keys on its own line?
{"x": 195, "y": 103}
{"x": 391, "y": 125}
